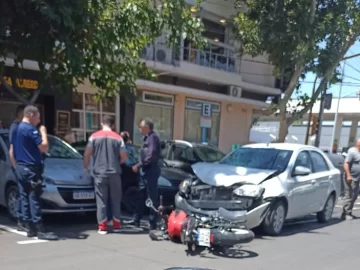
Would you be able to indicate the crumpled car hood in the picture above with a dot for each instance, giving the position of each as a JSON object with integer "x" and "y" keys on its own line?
{"x": 215, "y": 174}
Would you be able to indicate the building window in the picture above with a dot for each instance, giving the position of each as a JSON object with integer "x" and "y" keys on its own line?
{"x": 87, "y": 114}
{"x": 158, "y": 107}
{"x": 192, "y": 129}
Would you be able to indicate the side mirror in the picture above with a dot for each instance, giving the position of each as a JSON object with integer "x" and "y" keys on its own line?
{"x": 301, "y": 171}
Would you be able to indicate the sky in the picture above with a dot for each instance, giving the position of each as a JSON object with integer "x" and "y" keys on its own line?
{"x": 351, "y": 77}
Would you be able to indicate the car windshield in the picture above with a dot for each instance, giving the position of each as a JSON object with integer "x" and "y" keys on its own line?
{"x": 259, "y": 158}
{"x": 208, "y": 153}
{"x": 60, "y": 149}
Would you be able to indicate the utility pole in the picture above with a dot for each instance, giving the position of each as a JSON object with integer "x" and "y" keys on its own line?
{"x": 337, "y": 107}
{"x": 321, "y": 113}
{"x": 310, "y": 114}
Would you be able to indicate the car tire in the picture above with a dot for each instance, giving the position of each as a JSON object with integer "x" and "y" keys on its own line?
{"x": 11, "y": 201}
{"x": 325, "y": 215}
{"x": 128, "y": 200}
{"x": 275, "y": 219}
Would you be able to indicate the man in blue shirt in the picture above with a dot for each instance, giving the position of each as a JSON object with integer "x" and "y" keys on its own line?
{"x": 15, "y": 123}
{"x": 27, "y": 145}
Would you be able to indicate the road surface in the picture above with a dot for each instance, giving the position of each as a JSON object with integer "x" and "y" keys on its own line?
{"x": 303, "y": 245}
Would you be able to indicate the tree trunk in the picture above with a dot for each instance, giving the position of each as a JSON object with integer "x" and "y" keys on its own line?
{"x": 283, "y": 129}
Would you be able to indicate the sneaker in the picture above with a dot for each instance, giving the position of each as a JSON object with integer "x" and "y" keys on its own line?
{"x": 43, "y": 235}
{"x": 102, "y": 232}
{"x": 132, "y": 222}
{"x": 117, "y": 226}
{"x": 102, "y": 228}
{"x": 21, "y": 227}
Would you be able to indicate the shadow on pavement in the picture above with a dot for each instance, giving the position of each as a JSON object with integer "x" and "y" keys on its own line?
{"x": 236, "y": 253}
{"x": 309, "y": 225}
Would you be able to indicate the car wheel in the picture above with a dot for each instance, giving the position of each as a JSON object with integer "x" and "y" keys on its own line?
{"x": 11, "y": 201}
{"x": 326, "y": 214}
{"x": 275, "y": 219}
{"x": 129, "y": 200}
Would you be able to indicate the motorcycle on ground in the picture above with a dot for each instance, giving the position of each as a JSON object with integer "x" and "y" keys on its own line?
{"x": 217, "y": 231}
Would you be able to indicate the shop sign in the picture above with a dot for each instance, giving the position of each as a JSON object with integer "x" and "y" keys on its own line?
{"x": 205, "y": 119}
{"x": 23, "y": 83}
{"x": 62, "y": 121}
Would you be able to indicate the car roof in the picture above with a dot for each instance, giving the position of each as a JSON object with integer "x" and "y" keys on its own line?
{"x": 193, "y": 144}
{"x": 282, "y": 146}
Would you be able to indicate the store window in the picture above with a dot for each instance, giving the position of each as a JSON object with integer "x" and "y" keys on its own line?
{"x": 87, "y": 114}
{"x": 158, "y": 107}
{"x": 192, "y": 127}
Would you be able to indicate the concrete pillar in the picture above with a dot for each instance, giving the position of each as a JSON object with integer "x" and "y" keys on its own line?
{"x": 353, "y": 132}
{"x": 337, "y": 133}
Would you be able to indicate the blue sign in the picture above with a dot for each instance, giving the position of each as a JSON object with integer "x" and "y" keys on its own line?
{"x": 206, "y": 110}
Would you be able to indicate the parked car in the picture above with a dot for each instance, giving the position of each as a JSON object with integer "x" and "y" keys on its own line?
{"x": 66, "y": 187}
{"x": 182, "y": 154}
{"x": 338, "y": 160}
{"x": 272, "y": 182}
{"x": 168, "y": 182}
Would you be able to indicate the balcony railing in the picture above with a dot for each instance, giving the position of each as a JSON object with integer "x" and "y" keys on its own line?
{"x": 216, "y": 56}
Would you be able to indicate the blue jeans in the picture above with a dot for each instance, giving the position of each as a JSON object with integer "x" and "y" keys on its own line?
{"x": 30, "y": 191}
{"x": 18, "y": 202}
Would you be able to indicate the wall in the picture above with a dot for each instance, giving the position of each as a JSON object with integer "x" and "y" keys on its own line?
{"x": 257, "y": 70}
{"x": 234, "y": 122}
{"x": 262, "y": 133}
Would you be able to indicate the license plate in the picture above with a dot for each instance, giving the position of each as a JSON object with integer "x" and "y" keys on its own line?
{"x": 84, "y": 195}
{"x": 204, "y": 237}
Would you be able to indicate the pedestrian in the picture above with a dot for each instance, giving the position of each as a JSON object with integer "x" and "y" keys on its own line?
{"x": 352, "y": 173}
{"x": 108, "y": 151}
{"x": 129, "y": 152}
{"x": 28, "y": 144}
{"x": 149, "y": 164}
{"x": 18, "y": 117}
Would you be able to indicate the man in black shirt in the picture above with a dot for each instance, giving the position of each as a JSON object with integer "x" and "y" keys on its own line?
{"x": 149, "y": 163}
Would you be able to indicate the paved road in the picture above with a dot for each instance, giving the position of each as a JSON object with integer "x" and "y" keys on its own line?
{"x": 303, "y": 245}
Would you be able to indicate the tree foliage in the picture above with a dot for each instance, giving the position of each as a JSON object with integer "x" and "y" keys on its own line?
{"x": 299, "y": 36}
{"x": 98, "y": 40}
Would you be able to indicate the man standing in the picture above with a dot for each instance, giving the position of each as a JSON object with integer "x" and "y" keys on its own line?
{"x": 108, "y": 151}
{"x": 19, "y": 116}
{"x": 149, "y": 163}
{"x": 352, "y": 178}
{"x": 28, "y": 144}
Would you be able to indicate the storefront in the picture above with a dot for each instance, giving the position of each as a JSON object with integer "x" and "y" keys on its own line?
{"x": 87, "y": 113}
{"x": 160, "y": 108}
{"x": 192, "y": 129}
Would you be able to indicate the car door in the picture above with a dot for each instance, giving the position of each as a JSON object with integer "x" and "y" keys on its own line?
{"x": 5, "y": 169}
{"x": 178, "y": 158}
{"x": 322, "y": 175}
{"x": 302, "y": 189}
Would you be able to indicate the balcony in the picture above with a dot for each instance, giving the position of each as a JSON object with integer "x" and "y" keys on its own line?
{"x": 216, "y": 56}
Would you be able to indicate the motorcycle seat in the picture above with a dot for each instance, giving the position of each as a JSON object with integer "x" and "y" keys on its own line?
{"x": 232, "y": 216}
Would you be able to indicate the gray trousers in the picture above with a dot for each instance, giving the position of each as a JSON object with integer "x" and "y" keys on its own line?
{"x": 351, "y": 194}
{"x": 106, "y": 186}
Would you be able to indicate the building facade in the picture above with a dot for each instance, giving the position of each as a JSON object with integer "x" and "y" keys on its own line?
{"x": 188, "y": 80}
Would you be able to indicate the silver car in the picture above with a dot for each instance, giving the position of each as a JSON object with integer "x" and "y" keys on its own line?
{"x": 272, "y": 182}
{"x": 66, "y": 188}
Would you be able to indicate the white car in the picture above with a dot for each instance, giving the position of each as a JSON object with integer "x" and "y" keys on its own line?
{"x": 272, "y": 182}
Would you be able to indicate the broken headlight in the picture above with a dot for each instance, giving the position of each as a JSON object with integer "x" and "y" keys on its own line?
{"x": 254, "y": 191}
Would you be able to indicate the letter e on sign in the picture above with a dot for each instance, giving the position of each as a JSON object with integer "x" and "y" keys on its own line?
{"x": 206, "y": 110}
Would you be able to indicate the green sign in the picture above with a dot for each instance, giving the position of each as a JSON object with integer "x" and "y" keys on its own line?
{"x": 235, "y": 147}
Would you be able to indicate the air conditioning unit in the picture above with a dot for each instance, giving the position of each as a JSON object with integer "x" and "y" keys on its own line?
{"x": 147, "y": 53}
{"x": 235, "y": 91}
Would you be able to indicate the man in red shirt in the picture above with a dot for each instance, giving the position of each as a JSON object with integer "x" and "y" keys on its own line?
{"x": 108, "y": 151}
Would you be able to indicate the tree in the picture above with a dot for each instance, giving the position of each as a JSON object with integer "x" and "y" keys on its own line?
{"x": 98, "y": 40}
{"x": 299, "y": 37}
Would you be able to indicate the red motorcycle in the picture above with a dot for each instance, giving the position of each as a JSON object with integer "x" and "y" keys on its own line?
{"x": 217, "y": 231}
